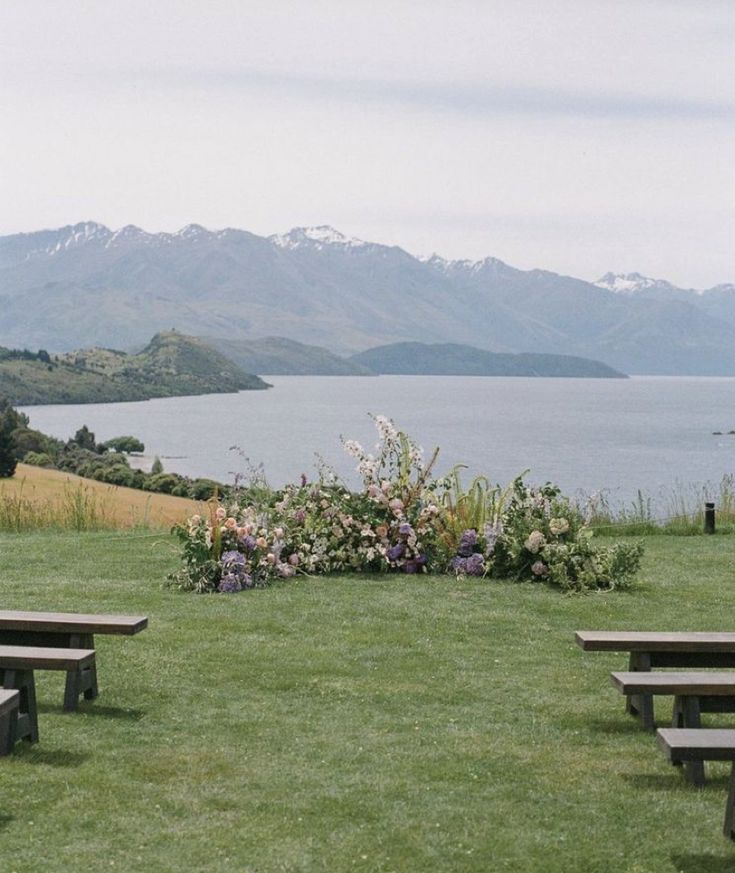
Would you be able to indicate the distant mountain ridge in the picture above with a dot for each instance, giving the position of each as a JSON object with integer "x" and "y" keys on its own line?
{"x": 86, "y": 284}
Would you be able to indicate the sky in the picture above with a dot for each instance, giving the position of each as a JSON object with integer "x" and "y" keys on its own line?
{"x": 578, "y": 136}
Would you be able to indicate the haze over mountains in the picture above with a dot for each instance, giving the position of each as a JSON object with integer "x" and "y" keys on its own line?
{"x": 87, "y": 285}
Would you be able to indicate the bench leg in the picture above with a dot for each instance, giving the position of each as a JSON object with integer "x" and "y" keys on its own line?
{"x": 8, "y": 728}
{"x": 72, "y": 690}
{"x": 26, "y": 724}
{"x": 688, "y": 714}
{"x": 640, "y": 705}
{"x": 730, "y": 808}
{"x": 78, "y": 681}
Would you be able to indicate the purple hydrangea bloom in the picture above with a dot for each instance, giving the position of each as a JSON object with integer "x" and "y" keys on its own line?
{"x": 248, "y": 543}
{"x": 468, "y": 544}
{"x": 395, "y": 552}
{"x": 405, "y": 530}
{"x": 233, "y": 560}
{"x": 414, "y": 565}
{"x": 475, "y": 565}
{"x": 229, "y": 584}
{"x": 470, "y": 537}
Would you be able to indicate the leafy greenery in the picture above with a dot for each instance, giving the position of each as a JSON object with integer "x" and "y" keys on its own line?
{"x": 125, "y": 444}
{"x": 8, "y": 461}
{"x": 350, "y": 724}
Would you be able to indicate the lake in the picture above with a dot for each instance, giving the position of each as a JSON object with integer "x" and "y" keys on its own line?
{"x": 649, "y": 433}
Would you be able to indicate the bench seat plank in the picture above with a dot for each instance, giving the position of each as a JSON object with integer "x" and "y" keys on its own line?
{"x": 655, "y": 641}
{"x": 71, "y": 623}
{"x": 693, "y": 747}
{"x": 698, "y": 683}
{"x": 36, "y": 658}
{"x": 9, "y": 708}
{"x": 8, "y": 700}
{"x": 700, "y": 744}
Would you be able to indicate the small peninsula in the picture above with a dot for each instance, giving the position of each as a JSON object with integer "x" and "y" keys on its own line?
{"x": 454, "y": 359}
{"x": 171, "y": 365}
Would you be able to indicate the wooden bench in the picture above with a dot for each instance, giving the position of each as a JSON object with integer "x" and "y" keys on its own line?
{"x": 9, "y": 701}
{"x": 694, "y": 747}
{"x": 693, "y": 693}
{"x": 69, "y": 631}
{"x": 651, "y": 649}
{"x": 17, "y": 664}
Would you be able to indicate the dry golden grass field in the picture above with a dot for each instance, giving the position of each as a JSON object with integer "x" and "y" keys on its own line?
{"x": 36, "y": 495}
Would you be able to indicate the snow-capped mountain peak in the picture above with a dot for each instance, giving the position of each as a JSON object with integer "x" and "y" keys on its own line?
{"x": 629, "y": 283}
{"x": 315, "y": 237}
{"x": 75, "y": 235}
{"x": 464, "y": 265}
{"x": 193, "y": 231}
{"x": 129, "y": 233}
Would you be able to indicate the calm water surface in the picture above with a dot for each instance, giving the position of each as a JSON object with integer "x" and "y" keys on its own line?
{"x": 651, "y": 433}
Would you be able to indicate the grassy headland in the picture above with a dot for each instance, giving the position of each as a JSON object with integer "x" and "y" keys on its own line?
{"x": 170, "y": 365}
{"x": 408, "y": 724}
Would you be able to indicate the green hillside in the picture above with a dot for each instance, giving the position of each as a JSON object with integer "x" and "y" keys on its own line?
{"x": 278, "y": 356}
{"x": 172, "y": 364}
{"x": 453, "y": 359}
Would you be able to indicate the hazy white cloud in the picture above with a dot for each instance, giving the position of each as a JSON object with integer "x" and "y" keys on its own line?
{"x": 578, "y": 136}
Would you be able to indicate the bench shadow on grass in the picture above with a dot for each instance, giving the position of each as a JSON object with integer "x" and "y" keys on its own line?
{"x": 615, "y": 726}
{"x": 50, "y": 757}
{"x": 95, "y": 709}
{"x": 703, "y": 863}
{"x": 5, "y": 820}
{"x": 675, "y": 779}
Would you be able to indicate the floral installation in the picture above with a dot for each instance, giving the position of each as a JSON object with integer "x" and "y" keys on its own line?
{"x": 401, "y": 520}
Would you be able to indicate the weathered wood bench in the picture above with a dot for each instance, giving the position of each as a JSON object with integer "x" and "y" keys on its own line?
{"x": 693, "y": 693}
{"x": 9, "y": 701}
{"x": 651, "y": 649}
{"x": 70, "y": 631}
{"x": 694, "y": 747}
{"x": 17, "y": 664}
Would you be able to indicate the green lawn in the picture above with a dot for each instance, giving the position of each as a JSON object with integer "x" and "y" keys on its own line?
{"x": 354, "y": 724}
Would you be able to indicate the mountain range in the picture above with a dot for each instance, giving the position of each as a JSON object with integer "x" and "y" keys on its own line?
{"x": 86, "y": 284}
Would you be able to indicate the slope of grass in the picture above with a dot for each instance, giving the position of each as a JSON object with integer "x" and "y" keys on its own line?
{"x": 37, "y": 497}
{"x": 354, "y": 724}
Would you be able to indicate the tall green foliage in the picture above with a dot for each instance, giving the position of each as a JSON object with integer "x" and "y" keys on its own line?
{"x": 8, "y": 460}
